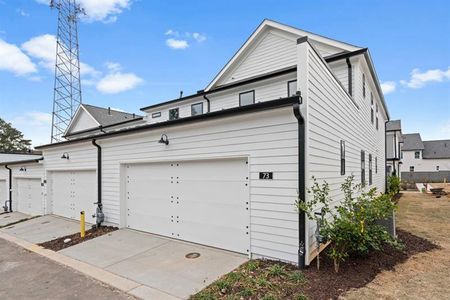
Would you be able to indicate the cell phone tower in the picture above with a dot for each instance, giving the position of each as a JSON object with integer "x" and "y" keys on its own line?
{"x": 67, "y": 89}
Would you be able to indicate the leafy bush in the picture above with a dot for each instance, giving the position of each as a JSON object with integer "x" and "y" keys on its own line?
{"x": 351, "y": 225}
{"x": 393, "y": 185}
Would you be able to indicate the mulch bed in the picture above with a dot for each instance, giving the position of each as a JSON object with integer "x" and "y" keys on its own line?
{"x": 58, "y": 244}
{"x": 248, "y": 282}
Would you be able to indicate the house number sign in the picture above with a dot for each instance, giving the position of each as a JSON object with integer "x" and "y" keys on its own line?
{"x": 266, "y": 175}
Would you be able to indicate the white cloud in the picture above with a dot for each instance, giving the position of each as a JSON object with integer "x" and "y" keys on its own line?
{"x": 113, "y": 66}
{"x": 172, "y": 32}
{"x": 199, "y": 37}
{"x": 34, "y": 125}
{"x": 12, "y": 59}
{"x": 420, "y": 79}
{"x": 22, "y": 12}
{"x": 43, "y": 48}
{"x": 118, "y": 82}
{"x": 388, "y": 87}
{"x": 100, "y": 10}
{"x": 177, "y": 44}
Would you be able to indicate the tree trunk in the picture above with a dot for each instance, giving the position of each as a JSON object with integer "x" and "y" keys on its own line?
{"x": 336, "y": 265}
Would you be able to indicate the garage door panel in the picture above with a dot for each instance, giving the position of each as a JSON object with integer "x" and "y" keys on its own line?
{"x": 29, "y": 196}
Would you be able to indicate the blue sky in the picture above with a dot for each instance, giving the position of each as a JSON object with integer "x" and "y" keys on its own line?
{"x": 157, "y": 48}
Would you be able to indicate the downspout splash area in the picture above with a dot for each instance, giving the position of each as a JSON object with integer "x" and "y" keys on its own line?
{"x": 301, "y": 183}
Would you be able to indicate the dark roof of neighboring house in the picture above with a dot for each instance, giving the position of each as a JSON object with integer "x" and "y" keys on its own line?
{"x": 108, "y": 116}
{"x": 394, "y": 125}
{"x": 412, "y": 141}
{"x": 436, "y": 149}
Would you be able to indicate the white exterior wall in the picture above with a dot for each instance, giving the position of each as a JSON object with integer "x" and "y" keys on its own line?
{"x": 83, "y": 121}
{"x": 332, "y": 116}
{"x": 423, "y": 165}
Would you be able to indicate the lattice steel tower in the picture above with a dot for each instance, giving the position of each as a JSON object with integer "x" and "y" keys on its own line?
{"x": 67, "y": 91}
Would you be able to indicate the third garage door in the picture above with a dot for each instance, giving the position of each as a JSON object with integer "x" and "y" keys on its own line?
{"x": 72, "y": 192}
{"x": 205, "y": 201}
{"x": 29, "y": 196}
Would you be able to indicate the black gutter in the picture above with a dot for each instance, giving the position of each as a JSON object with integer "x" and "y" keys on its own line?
{"x": 101, "y": 127}
{"x": 257, "y": 107}
{"x": 350, "y": 76}
{"x": 209, "y": 102}
{"x": 99, "y": 173}
{"x": 228, "y": 86}
{"x": 10, "y": 187}
{"x": 301, "y": 183}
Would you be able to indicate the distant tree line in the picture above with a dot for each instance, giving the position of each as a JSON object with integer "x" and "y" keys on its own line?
{"x": 12, "y": 140}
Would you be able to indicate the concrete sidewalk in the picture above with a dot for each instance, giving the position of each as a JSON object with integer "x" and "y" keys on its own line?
{"x": 156, "y": 262}
{"x": 8, "y": 218}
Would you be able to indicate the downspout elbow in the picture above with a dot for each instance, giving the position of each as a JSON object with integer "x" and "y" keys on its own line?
{"x": 301, "y": 184}
{"x": 209, "y": 103}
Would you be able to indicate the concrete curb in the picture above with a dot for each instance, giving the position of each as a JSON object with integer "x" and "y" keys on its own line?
{"x": 121, "y": 283}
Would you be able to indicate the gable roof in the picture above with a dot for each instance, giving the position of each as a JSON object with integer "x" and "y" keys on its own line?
{"x": 295, "y": 32}
{"x": 436, "y": 149}
{"x": 394, "y": 125}
{"x": 412, "y": 141}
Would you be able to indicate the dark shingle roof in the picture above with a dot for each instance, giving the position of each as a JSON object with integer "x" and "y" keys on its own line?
{"x": 412, "y": 141}
{"x": 436, "y": 149}
{"x": 394, "y": 125}
{"x": 106, "y": 116}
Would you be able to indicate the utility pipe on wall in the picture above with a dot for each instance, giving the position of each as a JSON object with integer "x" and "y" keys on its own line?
{"x": 99, "y": 213}
{"x": 10, "y": 188}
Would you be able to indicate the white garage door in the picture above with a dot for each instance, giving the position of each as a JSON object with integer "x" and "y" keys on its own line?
{"x": 73, "y": 192}
{"x": 3, "y": 193}
{"x": 29, "y": 196}
{"x": 205, "y": 201}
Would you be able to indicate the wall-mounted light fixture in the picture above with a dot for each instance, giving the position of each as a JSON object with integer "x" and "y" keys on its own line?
{"x": 65, "y": 155}
{"x": 23, "y": 169}
{"x": 164, "y": 139}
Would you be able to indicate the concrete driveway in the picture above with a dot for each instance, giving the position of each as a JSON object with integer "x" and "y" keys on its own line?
{"x": 156, "y": 262}
{"x": 41, "y": 229}
{"x": 7, "y": 218}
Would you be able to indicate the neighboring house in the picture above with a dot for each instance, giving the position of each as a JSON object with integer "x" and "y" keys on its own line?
{"x": 425, "y": 161}
{"x": 224, "y": 167}
{"x": 394, "y": 141}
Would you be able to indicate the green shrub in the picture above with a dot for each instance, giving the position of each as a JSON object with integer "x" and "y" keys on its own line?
{"x": 393, "y": 185}
{"x": 351, "y": 226}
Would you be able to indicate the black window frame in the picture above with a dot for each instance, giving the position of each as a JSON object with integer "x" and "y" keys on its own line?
{"x": 417, "y": 156}
{"x": 177, "y": 109}
{"x": 192, "y": 108}
{"x": 411, "y": 168}
{"x": 363, "y": 168}
{"x": 370, "y": 169}
{"x": 288, "y": 88}
{"x": 342, "y": 157}
{"x": 247, "y": 92}
{"x": 156, "y": 115}
{"x": 364, "y": 85}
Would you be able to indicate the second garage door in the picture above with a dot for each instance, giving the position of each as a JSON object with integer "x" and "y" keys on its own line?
{"x": 29, "y": 196}
{"x": 204, "y": 201}
{"x": 72, "y": 192}
{"x": 3, "y": 192}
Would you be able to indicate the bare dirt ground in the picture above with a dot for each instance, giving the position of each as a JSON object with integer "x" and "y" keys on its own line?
{"x": 425, "y": 275}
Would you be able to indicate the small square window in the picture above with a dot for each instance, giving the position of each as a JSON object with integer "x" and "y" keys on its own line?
{"x": 411, "y": 169}
{"x": 156, "y": 114}
{"x": 342, "y": 157}
{"x": 363, "y": 168}
{"x": 197, "y": 109}
{"x": 246, "y": 98}
{"x": 371, "y": 115}
{"x": 292, "y": 88}
{"x": 376, "y": 123}
{"x": 417, "y": 154}
{"x": 437, "y": 168}
{"x": 174, "y": 114}
{"x": 370, "y": 169}
{"x": 371, "y": 98}
{"x": 364, "y": 85}
{"x": 376, "y": 165}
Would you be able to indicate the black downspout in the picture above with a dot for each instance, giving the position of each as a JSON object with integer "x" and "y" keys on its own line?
{"x": 350, "y": 76}
{"x": 99, "y": 173}
{"x": 209, "y": 103}
{"x": 385, "y": 160}
{"x": 301, "y": 183}
{"x": 10, "y": 187}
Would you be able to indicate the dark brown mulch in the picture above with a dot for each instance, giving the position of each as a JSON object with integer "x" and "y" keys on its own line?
{"x": 58, "y": 244}
{"x": 357, "y": 272}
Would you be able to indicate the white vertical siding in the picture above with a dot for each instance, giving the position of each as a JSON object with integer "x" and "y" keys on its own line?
{"x": 332, "y": 116}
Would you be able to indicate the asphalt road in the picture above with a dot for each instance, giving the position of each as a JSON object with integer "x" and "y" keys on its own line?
{"x": 27, "y": 275}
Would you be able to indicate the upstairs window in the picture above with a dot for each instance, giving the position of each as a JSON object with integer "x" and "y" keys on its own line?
{"x": 197, "y": 109}
{"x": 342, "y": 157}
{"x": 156, "y": 115}
{"x": 364, "y": 85}
{"x": 437, "y": 168}
{"x": 246, "y": 98}
{"x": 363, "y": 168}
{"x": 174, "y": 114}
{"x": 376, "y": 165}
{"x": 370, "y": 169}
{"x": 376, "y": 106}
{"x": 372, "y": 113}
{"x": 292, "y": 88}
{"x": 417, "y": 154}
{"x": 411, "y": 169}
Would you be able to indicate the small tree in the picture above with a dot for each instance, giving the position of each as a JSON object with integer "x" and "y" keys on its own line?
{"x": 11, "y": 139}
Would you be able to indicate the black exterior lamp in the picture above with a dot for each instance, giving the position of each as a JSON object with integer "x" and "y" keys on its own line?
{"x": 65, "y": 155}
{"x": 164, "y": 140}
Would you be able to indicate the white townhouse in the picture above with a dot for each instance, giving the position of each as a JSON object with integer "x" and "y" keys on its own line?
{"x": 394, "y": 142}
{"x": 224, "y": 167}
{"x": 425, "y": 161}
